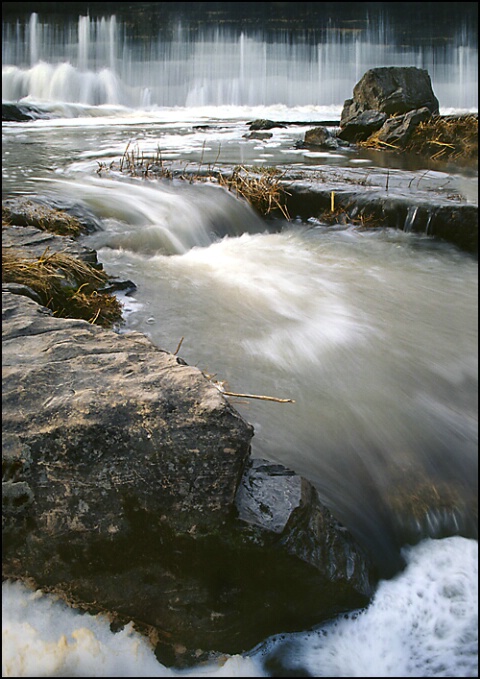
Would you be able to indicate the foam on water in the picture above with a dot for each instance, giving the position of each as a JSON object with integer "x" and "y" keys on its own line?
{"x": 423, "y": 622}
{"x": 42, "y": 637}
{"x": 251, "y": 272}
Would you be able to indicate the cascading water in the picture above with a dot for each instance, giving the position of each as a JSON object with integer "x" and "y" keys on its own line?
{"x": 94, "y": 61}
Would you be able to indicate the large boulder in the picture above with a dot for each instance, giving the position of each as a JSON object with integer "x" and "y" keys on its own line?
{"x": 128, "y": 489}
{"x": 392, "y": 90}
{"x": 385, "y": 92}
{"x": 112, "y": 422}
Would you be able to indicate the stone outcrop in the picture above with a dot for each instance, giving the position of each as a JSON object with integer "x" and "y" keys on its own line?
{"x": 102, "y": 411}
{"x": 128, "y": 488}
{"x": 33, "y": 242}
{"x": 383, "y": 93}
{"x": 449, "y": 220}
{"x": 392, "y": 90}
{"x": 50, "y": 215}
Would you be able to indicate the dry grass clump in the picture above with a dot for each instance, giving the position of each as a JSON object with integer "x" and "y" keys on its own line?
{"x": 341, "y": 215}
{"x": 43, "y": 218}
{"x": 448, "y": 138}
{"x": 66, "y": 285}
{"x": 136, "y": 164}
{"x": 453, "y": 138}
{"x": 262, "y": 189}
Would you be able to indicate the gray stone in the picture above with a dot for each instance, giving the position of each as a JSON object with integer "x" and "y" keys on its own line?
{"x": 49, "y": 213}
{"x": 321, "y": 137}
{"x": 267, "y": 495}
{"x": 396, "y": 131}
{"x": 359, "y": 126}
{"x": 33, "y": 242}
{"x": 258, "y": 135}
{"x": 382, "y": 93}
{"x": 394, "y": 90}
{"x": 263, "y": 124}
{"x": 274, "y": 499}
{"x": 123, "y": 416}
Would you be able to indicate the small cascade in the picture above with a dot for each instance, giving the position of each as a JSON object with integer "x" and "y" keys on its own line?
{"x": 156, "y": 218}
{"x": 427, "y": 226}
{"x": 410, "y": 218}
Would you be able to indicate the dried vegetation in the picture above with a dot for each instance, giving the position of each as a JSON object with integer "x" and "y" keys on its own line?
{"x": 262, "y": 189}
{"x": 451, "y": 137}
{"x": 344, "y": 215}
{"x": 69, "y": 287}
{"x": 441, "y": 138}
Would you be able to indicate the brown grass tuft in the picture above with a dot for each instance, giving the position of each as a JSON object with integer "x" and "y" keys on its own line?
{"x": 261, "y": 189}
{"x": 452, "y": 138}
{"x": 66, "y": 285}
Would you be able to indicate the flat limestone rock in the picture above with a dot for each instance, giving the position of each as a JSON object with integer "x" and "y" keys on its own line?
{"x": 123, "y": 417}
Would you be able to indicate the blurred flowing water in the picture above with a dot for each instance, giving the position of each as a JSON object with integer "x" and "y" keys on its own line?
{"x": 373, "y": 334}
{"x": 97, "y": 60}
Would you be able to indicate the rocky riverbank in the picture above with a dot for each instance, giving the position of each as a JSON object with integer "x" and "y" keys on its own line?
{"x": 128, "y": 488}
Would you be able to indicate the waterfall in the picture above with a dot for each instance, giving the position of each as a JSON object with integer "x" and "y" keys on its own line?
{"x": 218, "y": 64}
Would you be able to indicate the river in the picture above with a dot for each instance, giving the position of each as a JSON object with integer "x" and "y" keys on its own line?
{"x": 373, "y": 334}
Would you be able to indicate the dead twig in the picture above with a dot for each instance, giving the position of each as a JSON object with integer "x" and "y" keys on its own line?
{"x": 178, "y": 347}
{"x": 258, "y": 396}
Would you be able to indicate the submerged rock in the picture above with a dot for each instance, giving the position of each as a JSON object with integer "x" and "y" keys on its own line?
{"x": 16, "y": 113}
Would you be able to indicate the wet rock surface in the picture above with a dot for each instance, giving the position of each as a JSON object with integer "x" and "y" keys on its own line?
{"x": 33, "y": 242}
